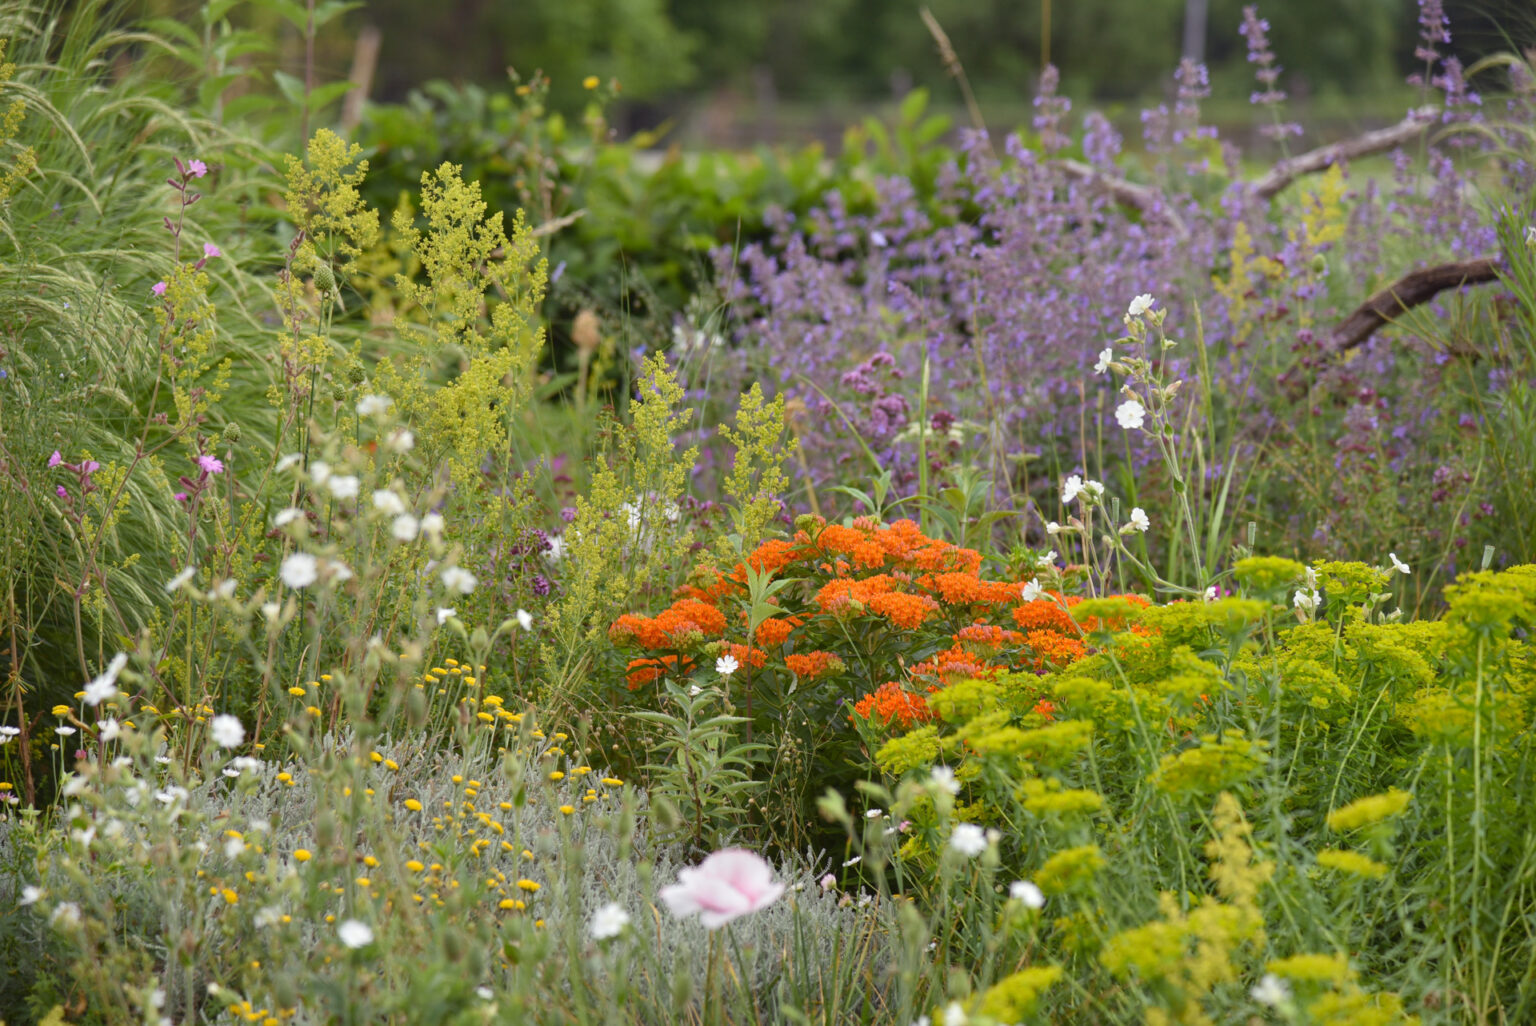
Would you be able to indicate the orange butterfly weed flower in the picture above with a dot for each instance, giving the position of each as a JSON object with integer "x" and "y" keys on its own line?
{"x": 1052, "y": 650}
{"x": 774, "y": 631}
{"x": 890, "y": 703}
{"x": 903, "y": 610}
{"x": 754, "y": 657}
{"x": 642, "y": 671}
{"x": 812, "y": 665}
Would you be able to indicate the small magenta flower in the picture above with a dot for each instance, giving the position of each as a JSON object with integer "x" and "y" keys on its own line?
{"x": 210, "y": 250}
{"x": 211, "y": 464}
{"x": 55, "y": 459}
{"x": 181, "y": 496}
{"x": 62, "y": 492}
{"x": 158, "y": 288}
{"x": 196, "y": 168}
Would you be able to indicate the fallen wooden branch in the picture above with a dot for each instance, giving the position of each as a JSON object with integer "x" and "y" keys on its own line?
{"x": 1145, "y": 198}
{"x": 1409, "y": 291}
{"x": 1285, "y": 172}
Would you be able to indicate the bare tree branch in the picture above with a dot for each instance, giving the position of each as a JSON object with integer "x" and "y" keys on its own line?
{"x": 1145, "y": 198}
{"x": 1287, "y": 171}
{"x": 1411, "y": 290}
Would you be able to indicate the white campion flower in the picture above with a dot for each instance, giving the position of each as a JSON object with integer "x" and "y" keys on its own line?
{"x": 1106, "y": 357}
{"x": 1047, "y": 560}
{"x": 387, "y": 502}
{"x": 456, "y": 578}
{"x": 556, "y": 550}
{"x": 400, "y": 441}
{"x": 344, "y": 486}
{"x": 1093, "y": 489}
{"x": 225, "y": 589}
{"x": 67, "y": 914}
{"x": 1139, "y": 519}
{"x": 226, "y": 731}
{"x": 942, "y": 778}
{"x": 1071, "y": 488}
{"x": 1530, "y": 235}
{"x": 293, "y": 459}
{"x": 726, "y": 665}
{"x": 954, "y": 1014}
{"x": 609, "y": 921}
{"x": 968, "y": 839}
{"x": 1398, "y": 564}
{"x": 299, "y": 570}
{"x": 30, "y": 895}
{"x": 484, "y": 993}
{"x": 1032, "y": 591}
{"x": 405, "y": 528}
{"x": 319, "y": 472}
{"x": 1026, "y": 892}
{"x": 525, "y": 619}
{"x": 1131, "y": 414}
{"x": 355, "y": 934}
{"x": 374, "y": 405}
{"x": 1052, "y": 528}
{"x": 284, "y": 517}
{"x": 175, "y": 583}
{"x": 444, "y": 612}
{"x": 432, "y": 525}
{"x": 1271, "y": 990}
{"x": 1140, "y": 305}
{"x": 1210, "y": 593}
{"x": 1307, "y": 601}
{"x": 105, "y": 686}
{"x": 171, "y": 794}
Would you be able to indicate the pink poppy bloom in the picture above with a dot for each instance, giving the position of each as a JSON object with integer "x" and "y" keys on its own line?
{"x": 728, "y": 884}
{"x": 158, "y": 288}
{"x": 55, "y": 459}
{"x": 211, "y": 464}
{"x": 196, "y": 168}
{"x": 210, "y": 250}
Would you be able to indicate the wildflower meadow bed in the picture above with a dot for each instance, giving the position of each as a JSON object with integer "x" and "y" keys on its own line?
{"x": 1036, "y": 580}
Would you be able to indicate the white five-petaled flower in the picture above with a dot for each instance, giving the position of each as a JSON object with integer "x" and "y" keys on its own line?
{"x": 30, "y": 895}
{"x": 556, "y": 550}
{"x": 444, "y": 612}
{"x": 373, "y": 405}
{"x": 525, "y": 619}
{"x": 1140, "y": 305}
{"x": 456, "y": 578}
{"x": 1047, "y": 560}
{"x": 1398, "y": 564}
{"x": 726, "y": 665}
{"x": 1271, "y": 990}
{"x": 943, "y": 779}
{"x": 1139, "y": 519}
{"x": 299, "y": 570}
{"x": 968, "y": 839}
{"x": 293, "y": 459}
{"x": 1106, "y": 357}
{"x": 344, "y": 486}
{"x": 226, "y": 731}
{"x": 1026, "y": 892}
{"x": 1211, "y": 593}
{"x": 225, "y": 589}
{"x": 355, "y": 934}
{"x": 405, "y": 527}
{"x": 1307, "y": 600}
{"x": 1052, "y": 528}
{"x": 484, "y": 993}
{"x": 609, "y": 921}
{"x": 388, "y": 502}
{"x": 176, "y": 582}
{"x": 1131, "y": 414}
{"x": 432, "y": 525}
{"x": 1071, "y": 488}
{"x": 954, "y": 1014}
{"x": 1032, "y": 591}
{"x": 284, "y": 517}
{"x": 1093, "y": 489}
{"x": 105, "y": 686}
{"x": 400, "y": 440}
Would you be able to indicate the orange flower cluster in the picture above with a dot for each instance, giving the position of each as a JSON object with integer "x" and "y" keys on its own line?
{"x": 754, "y": 657}
{"x": 1047, "y": 614}
{"x": 892, "y": 704}
{"x": 686, "y": 620}
{"x": 901, "y": 545}
{"x": 643, "y": 671}
{"x": 835, "y": 596}
{"x": 1052, "y": 650}
{"x": 774, "y": 631}
{"x": 903, "y": 610}
{"x": 960, "y": 589}
{"x": 814, "y": 664}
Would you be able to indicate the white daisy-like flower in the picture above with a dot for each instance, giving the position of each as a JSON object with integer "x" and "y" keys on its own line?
{"x": 355, "y": 934}
{"x": 171, "y": 794}
{"x": 105, "y": 686}
{"x": 1131, "y": 414}
{"x": 1140, "y": 305}
{"x": 968, "y": 839}
{"x": 456, "y": 578}
{"x": 299, "y": 570}
{"x": 175, "y": 583}
{"x": 386, "y": 501}
{"x": 609, "y": 921}
{"x": 726, "y": 665}
{"x": 64, "y": 731}
{"x": 1139, "y": 519}
{"x": 525, "y": 619}
{"x": 1032, "y": 591}
{"x": 942, "y": 778}
{"x": 444, "y": 612}
{"x": 1106, "y": 357}
{"x": 1398, "y": 564}
{"x": 373, "y": 405}
{"x": 344, "y": 486}
{"x": 1071, "y": 488}
{"x": 226, "y": 731}
{"x": 1271, "y": 990}
{"x": 1026, "y": 892}
{"x": 405, "y": 528}
{"x": 108, "y": 730}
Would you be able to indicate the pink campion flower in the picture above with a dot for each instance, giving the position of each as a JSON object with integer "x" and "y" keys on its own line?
{"x": 196, "y": 168}
{"x": 210, "y": 250}
{"x": 62, "y": 492}
{"x": 158, "y": 288}
{"x": 211, "y": 464}
{"x": 181, "y": 496}
{"x": 55, "y": 459}
{"x": 730, "y": 883}
{"x": 90, "y": 467}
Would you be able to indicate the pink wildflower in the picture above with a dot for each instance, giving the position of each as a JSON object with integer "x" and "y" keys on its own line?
{"x": 211, "y": 464}
{"x": 210, "y": 250}
{"x": 181, "y": 496}
{"x": 62, "y": 492}
{"x": 158, "y": 288}
{"x": 196, "y": 168}
{"x": 728, "y": 884}
{"x": 55, "y": 459}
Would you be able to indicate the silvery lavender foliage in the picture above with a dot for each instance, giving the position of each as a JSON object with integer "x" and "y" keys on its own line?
{"x": 1016, "y": 273}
